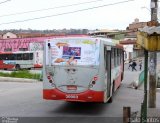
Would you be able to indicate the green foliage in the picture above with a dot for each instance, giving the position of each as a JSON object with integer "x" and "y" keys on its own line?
{"x": 22, "y": 74}
{"x": 4, "y": 74}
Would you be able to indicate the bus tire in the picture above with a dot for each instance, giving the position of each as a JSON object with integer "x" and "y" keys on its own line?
{"x": 110, "y": 100}
{"x": 18, "y": 67}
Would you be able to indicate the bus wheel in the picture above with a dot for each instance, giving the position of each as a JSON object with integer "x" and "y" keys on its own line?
{"x": 110, "y": 99}
{"x": 17, "y": 67}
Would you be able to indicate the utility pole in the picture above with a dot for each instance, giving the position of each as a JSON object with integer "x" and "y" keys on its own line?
{"x": 153, "y": 62}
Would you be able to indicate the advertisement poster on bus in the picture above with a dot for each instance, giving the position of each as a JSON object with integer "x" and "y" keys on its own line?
{"x": 74, "y": 52}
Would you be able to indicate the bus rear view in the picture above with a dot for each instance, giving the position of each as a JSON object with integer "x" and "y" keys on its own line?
{"x": 71, "y": 70}
{"x": 83, "y": 69}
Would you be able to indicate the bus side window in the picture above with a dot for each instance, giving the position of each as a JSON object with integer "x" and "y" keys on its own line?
{"x": 1, "y": 57}
{"x": 31, "y": 56}
{"x": 6, "y": 57}
{"x": 25, "y": 56}
{"x": 118, "y": 55}
{"x": 112, "y": 51}
{"x": 13, "y": 57}
{"x": 115, "y": 57}
{"x": 105, "y": 57}
{"x": 121, "y": 56}
{"x": 19, "y": 56}
{"x": 10, "y": 56}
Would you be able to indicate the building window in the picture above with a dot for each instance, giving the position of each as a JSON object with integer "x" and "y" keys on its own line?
{"x": 7, "y": 49}
{"x": 23, "y": 49}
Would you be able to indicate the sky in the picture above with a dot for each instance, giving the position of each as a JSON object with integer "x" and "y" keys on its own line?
{"x": 107, "y": 14}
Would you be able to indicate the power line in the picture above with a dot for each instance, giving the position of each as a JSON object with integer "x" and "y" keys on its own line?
{"x": 65, "y": 13}
{"x": 57, "y": 7}
{"x": 5, "y": 1}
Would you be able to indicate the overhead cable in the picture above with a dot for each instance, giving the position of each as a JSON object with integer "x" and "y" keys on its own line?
{"x": 65, "y": 13}
{"x": 4, "y": 1}
{"x": 57, "y": 7}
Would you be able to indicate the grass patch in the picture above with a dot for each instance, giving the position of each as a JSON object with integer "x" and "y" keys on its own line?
{"x": 4, "y": 74}
{"x": 22, "y": 74}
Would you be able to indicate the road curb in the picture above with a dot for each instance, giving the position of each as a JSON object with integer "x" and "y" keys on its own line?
{"x": 10, "y": 79}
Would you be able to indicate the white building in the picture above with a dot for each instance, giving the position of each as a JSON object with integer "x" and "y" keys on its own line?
{"x": 9, "y": 35}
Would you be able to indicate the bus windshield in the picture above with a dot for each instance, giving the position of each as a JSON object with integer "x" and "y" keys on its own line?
{"x": 73, "y": 52}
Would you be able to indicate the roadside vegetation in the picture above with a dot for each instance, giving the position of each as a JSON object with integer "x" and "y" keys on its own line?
{"x": 22, "y": 74}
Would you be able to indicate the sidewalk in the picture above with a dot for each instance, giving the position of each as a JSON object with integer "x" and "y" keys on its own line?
{"x": 151, "y": 113}
{"x": 11, "y": 79}
{"x": 131, "y": 83}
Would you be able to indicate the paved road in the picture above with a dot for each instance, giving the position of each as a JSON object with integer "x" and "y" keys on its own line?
{"x": 25, "y": 100}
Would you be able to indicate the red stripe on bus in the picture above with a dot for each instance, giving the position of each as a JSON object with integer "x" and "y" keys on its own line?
{"x": 87, "y": 96}
{"x": 3, "y": 66}
{"x": 37, "y": 66}
{"x": 118, "y": 81}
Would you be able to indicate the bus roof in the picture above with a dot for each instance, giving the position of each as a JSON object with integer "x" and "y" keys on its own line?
{"x": 84, "y": 39}
{"x": 107, "y": 41}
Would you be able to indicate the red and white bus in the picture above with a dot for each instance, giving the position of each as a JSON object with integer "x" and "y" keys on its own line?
{"x": 84, "y": 69}
{"x": 21, "y": 60}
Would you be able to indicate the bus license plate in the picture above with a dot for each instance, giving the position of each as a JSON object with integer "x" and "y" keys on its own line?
{"x": 70, "y": 96}
{"x": 71, "y": 87}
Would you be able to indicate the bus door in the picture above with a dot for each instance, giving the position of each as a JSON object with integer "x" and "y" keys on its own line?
{"x": 108, "y": 69}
